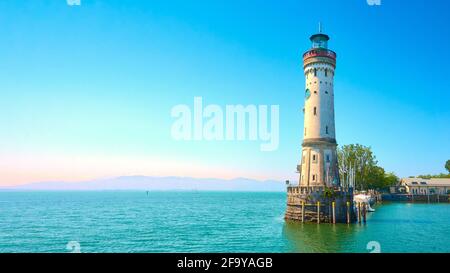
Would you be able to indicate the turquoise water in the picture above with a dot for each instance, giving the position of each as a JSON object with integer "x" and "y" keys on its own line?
{"x": 204, "y": 222}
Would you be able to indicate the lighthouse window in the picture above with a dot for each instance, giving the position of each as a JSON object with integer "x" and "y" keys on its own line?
{"x": 315, "y": 111}
{"x": 326, "y": 72}
{"x": 326, "y": 92}
{"x": 328, "y": 158}
{"x": 314, "y": 177}
{"x": 315, "y": 71}
{"x": 326, "y": 130}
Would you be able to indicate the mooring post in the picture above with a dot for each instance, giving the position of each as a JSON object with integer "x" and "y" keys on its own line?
{"x": 333, "y": 206}
{"x": 318, "y": 212}
{"x": 303, "y": 211}
{"x": 364, "y": 212}
{"x": 348, "y": 212}
{"x": 359, "y": 212}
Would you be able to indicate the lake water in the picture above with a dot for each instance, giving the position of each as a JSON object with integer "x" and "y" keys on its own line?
{"x": 204, "y": 222}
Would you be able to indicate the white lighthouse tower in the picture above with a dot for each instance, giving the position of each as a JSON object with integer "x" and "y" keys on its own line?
{"x": 319, "y": 196}
{"x": 318, "y": 166}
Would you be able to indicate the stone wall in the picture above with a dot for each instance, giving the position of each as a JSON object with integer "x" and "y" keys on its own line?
{"x": 416, "y": 198}
{"x": 303, "y": 207}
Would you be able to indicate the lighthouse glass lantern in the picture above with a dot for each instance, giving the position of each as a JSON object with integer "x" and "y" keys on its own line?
{"x": 320, "y": 41}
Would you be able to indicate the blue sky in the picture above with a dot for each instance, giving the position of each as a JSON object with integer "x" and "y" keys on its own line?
{"x": 87, "y": 90}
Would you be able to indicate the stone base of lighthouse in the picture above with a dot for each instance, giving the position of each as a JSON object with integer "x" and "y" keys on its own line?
{"x": 320, "y": 205}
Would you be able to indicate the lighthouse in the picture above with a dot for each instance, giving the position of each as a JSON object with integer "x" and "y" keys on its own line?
{"x": 318, "y": 165}
{"x": 319, "y": 196}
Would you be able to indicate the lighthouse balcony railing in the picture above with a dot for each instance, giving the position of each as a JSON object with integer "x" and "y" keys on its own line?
{"x": 320, "y": 53}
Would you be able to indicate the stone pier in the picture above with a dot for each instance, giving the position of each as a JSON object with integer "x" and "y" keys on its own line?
{"x": 307, "y": 204}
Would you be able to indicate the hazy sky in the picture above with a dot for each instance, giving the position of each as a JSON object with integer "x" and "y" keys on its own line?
{"x": 87, "y": 91}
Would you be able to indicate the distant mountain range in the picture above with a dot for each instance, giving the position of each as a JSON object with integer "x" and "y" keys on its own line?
{"x": 150, "y": 183}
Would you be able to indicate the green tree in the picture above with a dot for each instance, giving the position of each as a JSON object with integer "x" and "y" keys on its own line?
{"x": 390, "y": 179}
{"x": 358, "y": 162}
{"x": 447, "y": 165}
{"x": 375, "y": 178}
{"x": 428, "y": 176}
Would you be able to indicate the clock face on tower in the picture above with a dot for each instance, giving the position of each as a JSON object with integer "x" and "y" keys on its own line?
{"x": 307, "y": 94}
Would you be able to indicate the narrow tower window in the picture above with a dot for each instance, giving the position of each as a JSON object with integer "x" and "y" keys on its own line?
{"x": 326, "y": 72}
{"x": 328, "y": 158}
{"x": 314, "y": 177}
{"x": 315, "y": 72}
{"x": 326, "y": 130}
{"x": 315, "y": 111}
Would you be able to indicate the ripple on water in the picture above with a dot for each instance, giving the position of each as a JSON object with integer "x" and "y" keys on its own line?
{"x": 203, "y": 222}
